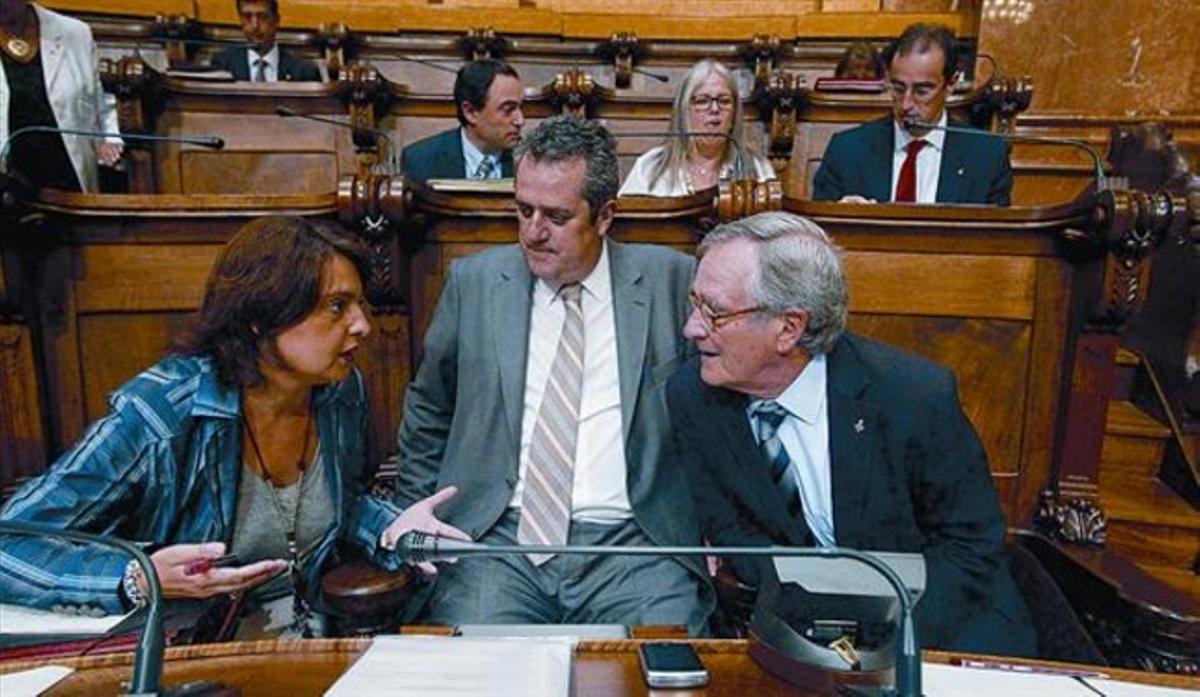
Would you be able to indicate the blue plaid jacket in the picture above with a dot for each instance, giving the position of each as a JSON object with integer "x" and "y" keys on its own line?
{"x": 163, "y": 467}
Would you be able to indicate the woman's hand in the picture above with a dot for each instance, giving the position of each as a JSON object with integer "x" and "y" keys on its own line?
{"x": 419, "y": 516}
{"x": 107, "y": 154}
{"x": 170, "y": 563}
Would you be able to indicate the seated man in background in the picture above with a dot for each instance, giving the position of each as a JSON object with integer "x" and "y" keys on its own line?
{"x": 801, "y": 434}
{"x": 263, "y": 60}
{"x": 540, "y": 398}
{"x": 907, "y": 157}
{"x": 487, "y": 98}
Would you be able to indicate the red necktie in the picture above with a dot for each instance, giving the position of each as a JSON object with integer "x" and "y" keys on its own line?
{"x": 906, "y": 187}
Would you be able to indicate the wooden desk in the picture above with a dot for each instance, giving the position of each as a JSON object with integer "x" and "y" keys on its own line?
{"x": 601, "y": 668}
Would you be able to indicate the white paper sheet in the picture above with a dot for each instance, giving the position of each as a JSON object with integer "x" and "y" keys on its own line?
{"x": 939, "y": 680}
{"x": 1116, "y": 688}
{"x": 30, "y": 683}
{"x": 427, "y": 666}
{"x": 18, "y": 619}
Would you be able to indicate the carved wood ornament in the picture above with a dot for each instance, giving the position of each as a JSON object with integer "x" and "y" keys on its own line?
{"x": 624, "y": 50}
{"x": 333, "y": 39}
{"x": 375, "y": 205}
{"x": 483, "y": 42}
{"x": 177, "y": 32}
{"x": 762, "y": 53}
{"x": 783, "y": 97}
{"x": 366, "y": 94}
{"x": 575, "y": 93}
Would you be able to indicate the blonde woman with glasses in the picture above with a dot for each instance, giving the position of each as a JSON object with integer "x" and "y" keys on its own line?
{"x": 706, "y": 140}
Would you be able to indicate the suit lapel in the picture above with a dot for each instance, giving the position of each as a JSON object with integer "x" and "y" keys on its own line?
{"x": 631, "y": 314}
{"x": 879, "y": 179}
{"x": 457, "y": 161}
{"x": 950, "y": 176}
{"x": 853, "y": 440}
{"x": 52, "y": 47}
{"x": 511, "y": 298}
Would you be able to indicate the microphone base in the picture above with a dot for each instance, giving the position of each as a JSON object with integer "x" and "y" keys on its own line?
{"x": 196, "y": 688}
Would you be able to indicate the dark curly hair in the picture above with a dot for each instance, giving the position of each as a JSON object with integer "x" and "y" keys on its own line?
{"x": 265, "y": 280}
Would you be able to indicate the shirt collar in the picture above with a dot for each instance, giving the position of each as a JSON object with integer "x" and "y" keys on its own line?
{"x": 935, "y": 137}
{"x": 805, "y": 397}
{"x": 597, "y": 285}
{"x": 472, "y": 155}
{"x": 222, "y": 401}
{"x": 271, "y": 57}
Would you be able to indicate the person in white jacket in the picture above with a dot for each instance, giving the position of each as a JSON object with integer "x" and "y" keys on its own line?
{"x": 48, "y": 78}
{"x": 688, "y": 161}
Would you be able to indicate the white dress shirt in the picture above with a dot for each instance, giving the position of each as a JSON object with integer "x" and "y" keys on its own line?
{"x": 599, "y": 494}
{"x": 804, "y": 433}
{"x": 472, "y": 156}
{"x": 271, "y": 69}
{"x": 929, "y": 160}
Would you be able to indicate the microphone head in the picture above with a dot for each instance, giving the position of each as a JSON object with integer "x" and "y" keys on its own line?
{"x": 216, "y": 142}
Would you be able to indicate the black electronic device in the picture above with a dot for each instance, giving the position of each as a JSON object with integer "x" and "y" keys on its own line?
{"x": 671, "y": 664}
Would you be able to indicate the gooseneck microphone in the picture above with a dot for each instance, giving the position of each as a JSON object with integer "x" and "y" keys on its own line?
{"x": 415, "y": 547}
{"x": 148, "y": 658}
{"x": 1097, "y": 163}
{"x": 289, "y": 113}
{"x": 205, "y": 141}
{"x": 739, "y": 159}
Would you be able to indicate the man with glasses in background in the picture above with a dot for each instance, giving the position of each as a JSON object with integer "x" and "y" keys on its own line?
{"x": 901, "y": 158}
{"x": 799, "y": 433}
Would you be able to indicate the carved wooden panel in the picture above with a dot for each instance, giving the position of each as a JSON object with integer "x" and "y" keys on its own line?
{"x": 253, "y": 172}
{"x": 21, "y": 452}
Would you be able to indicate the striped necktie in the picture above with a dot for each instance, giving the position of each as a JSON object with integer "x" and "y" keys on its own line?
{"x": 768, "y": 416}
{"x": 550, "y": 474}
{"x": 486, "y": 168}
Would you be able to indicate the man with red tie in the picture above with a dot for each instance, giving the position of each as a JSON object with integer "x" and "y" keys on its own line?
{"x": 896, "y": 159}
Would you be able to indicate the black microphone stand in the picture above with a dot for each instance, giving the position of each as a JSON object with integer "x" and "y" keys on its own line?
{"x": 1097, "y": 165}
{"x": 415, "y": 547}
{"x": 146, "y": 680}
{"x": 214, "y": 142}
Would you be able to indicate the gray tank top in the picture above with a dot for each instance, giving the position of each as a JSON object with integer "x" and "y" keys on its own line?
{"x": 259, "y": 531}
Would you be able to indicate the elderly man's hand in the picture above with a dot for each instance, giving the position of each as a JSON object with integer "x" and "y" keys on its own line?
{"x": 419, "y": 516}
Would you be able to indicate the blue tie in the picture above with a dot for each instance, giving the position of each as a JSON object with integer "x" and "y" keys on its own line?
{"x": 768, "y": 415}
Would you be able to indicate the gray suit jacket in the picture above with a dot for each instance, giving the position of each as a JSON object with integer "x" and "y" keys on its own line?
{"x": 462, "y": 412}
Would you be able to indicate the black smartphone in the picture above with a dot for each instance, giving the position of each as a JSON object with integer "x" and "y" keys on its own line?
{"x": 671, "y": 664}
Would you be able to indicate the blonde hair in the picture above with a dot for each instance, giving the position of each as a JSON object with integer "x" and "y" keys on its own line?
{"x": 672, "y": 159}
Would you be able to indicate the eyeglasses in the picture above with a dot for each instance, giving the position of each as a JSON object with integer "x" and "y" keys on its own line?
{"x": 921, "y": 92}
{"x": 715, "y": 320}
{"x": 705, "y": 102}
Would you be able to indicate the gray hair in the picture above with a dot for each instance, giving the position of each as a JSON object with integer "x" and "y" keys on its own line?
{"x": 562, "y": 138}
{"x": 799, "y": 268}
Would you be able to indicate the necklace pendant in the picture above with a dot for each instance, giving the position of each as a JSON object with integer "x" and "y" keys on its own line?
{"x": 18, "y": 47}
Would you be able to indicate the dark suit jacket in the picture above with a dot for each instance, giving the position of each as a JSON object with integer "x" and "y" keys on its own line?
{"x": 463, "y": 410}
{"x": 975, "y": 168}
{"x": 908, "y": 475}
{"x": 440, "y": 156}
{"x": 290, "y": 68}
